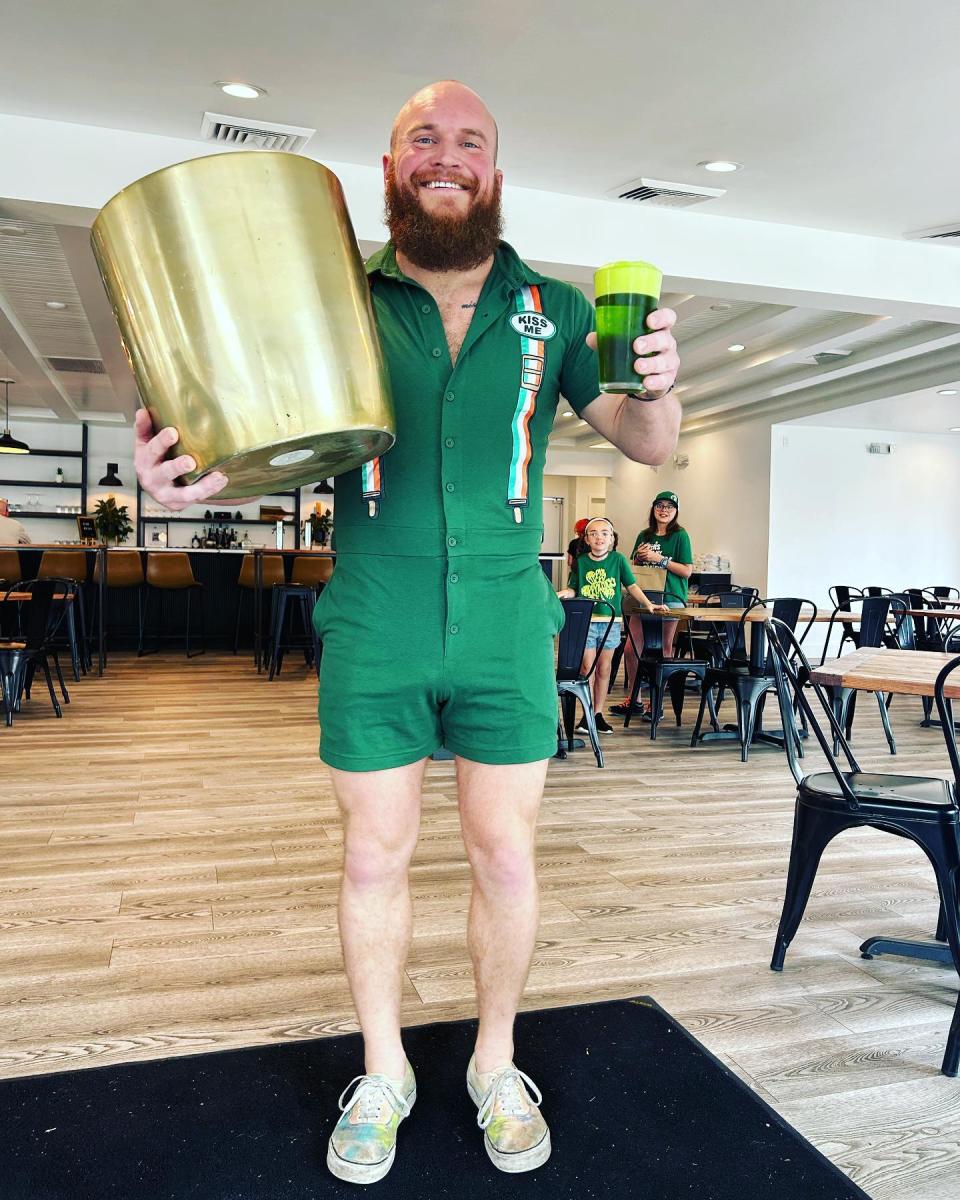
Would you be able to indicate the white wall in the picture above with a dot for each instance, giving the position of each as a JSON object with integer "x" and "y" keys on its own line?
{"x": 724, "y": 496}
{"x": 841, "y": 515}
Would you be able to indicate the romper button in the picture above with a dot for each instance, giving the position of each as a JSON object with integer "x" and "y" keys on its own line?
{"x": 449, "y": 397}
{"x": 451, "y": 487}
{"x": 451, "y": 541}
{"x": 425, "y": 308}
{"x": 449, "y": 443}
{"x": 435, "y": 352}
{"x": 454, "y": 628}
{"x": 454, "y": 578}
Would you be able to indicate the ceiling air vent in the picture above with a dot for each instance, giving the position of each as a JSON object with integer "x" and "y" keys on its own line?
{"x": 262, "y": 135}
{"x": 944, "y": 235}
{"x": 78, "y": 366}
{"x": 662, "y": 194}
{"x": 825, "y": 357}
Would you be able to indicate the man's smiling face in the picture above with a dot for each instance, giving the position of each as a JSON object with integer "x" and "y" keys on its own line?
{"x": 442, "y": 184}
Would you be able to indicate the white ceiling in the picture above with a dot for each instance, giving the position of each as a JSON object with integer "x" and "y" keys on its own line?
{"x": 921, "y": 412}
{"x": 844, "y": 114}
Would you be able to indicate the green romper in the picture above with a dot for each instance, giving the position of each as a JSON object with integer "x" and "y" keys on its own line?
{"x": 438, "y": 622}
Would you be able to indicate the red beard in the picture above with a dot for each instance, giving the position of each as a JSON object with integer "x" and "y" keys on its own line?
{"x": 441, "y": 243}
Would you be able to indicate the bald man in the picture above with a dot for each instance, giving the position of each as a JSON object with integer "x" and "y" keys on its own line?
{"x": 437, "y": 548}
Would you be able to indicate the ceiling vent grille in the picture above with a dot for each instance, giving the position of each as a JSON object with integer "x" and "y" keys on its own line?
{"x": 662, "y": 194}
{"x": 235, "y": 131}
{"x": 945, "y": 235}
{"x": 830, "y": 356}
{"x": 78, "y": 366}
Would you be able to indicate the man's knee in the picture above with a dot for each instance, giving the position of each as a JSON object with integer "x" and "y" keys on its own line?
{"x": 504, "y": 866}
{"x": 372, "y": 863}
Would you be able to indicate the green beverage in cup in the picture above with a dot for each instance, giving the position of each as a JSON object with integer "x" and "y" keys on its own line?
{"x": 627, "y": 292}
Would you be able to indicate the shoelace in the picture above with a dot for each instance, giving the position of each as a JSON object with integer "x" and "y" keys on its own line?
{"x": 370, "y": 1093}
{"x": 507, "y": 1089}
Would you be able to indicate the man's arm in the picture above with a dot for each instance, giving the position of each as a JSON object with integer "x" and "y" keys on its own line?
{"x": 644, "y": 430}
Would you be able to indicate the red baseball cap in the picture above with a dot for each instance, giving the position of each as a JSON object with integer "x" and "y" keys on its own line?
{"x": 581, "y": 526}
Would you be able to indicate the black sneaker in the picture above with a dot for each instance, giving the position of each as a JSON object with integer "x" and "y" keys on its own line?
{"x": 621, "y": 710}
{"x": 603, "y": 725}
{"x": 581, "y": 726}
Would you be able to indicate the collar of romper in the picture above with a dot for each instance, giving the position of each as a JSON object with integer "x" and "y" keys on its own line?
{"x": 513, "y": 269}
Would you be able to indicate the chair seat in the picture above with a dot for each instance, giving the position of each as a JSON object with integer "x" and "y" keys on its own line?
{"x": 881, "y": 792}
{"x": 5, "y": 645}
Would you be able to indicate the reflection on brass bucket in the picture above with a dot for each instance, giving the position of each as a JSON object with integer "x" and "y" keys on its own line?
{"x": 245, "y": 312}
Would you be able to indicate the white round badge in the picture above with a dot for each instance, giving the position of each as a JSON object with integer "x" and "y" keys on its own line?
{"x": 533, "y": 325}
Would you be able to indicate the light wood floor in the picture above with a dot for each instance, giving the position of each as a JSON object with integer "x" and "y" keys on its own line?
{"x": 169, "y": 857}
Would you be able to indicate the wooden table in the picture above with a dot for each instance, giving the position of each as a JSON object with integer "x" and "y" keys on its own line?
{"x": 939, "y": 614}
{"x": 905, "y": 673}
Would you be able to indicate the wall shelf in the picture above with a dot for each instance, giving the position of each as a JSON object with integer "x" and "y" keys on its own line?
{"x": 55, "y": 515}
{"x": 39, "y": 483}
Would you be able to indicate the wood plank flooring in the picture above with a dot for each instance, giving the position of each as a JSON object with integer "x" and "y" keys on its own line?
{"x": 169, "y": 860}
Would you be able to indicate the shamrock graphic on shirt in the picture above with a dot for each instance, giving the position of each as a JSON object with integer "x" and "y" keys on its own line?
{"x": 598, "y": 585}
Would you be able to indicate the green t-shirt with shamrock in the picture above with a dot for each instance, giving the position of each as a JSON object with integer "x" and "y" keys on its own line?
{"x": 601, "y": 579}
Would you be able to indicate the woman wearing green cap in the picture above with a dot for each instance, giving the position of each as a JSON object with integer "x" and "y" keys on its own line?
{"x": 663, "y": 543}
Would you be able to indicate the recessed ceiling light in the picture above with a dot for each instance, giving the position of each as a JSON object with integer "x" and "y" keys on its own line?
{"x": 12, "y": 230}
{"x": 954, "y": 429}
{"x": 56, "y": 305}
{"x": 242, "y": 91}
{"x": 948, "y": 392}
{"x": 569, "y": 414}
{"x": 736, "y": 348}
{"x": 720, "y": 165}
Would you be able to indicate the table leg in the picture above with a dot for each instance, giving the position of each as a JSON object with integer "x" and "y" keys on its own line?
{"x": 101, "y": 605}
{"x": 929, "y": 951}
{"x": 257, "y": 610}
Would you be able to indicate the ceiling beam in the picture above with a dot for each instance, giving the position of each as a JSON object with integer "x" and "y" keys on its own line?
{"x": 31, "y": 367}
{"x": 877, "y": 358}
{"x": 83, "y": 267}
{"x": 900, "y": 378}
{"x": 758, "y": 320}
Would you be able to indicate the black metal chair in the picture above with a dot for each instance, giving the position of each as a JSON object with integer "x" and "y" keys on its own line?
{"x": 750, "y": 683}
{"x": 708, "y": 642}
{"x": 840, "y": 596}
{"x": 660, "y": 674}
{"x": 874, "y": 611}
{"x": 923, "y": 809}
{"x": 878, "y": 591}
{"x": 40, "y": 619}
{"x": 572, "y": 684}
{"x": 301, "y": 598}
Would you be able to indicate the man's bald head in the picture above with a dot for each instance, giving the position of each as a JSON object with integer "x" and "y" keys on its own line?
{"x": 417, "y": 109}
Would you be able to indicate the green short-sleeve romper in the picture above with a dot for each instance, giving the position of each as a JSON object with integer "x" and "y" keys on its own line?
{"x": 438, "y": 623}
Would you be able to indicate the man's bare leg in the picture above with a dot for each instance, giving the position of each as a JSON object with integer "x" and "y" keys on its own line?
{"x": 381, "y": 822}
{"x": 498, "y": 815}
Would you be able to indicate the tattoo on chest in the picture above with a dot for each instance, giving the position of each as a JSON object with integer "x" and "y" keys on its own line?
{"x": 471, "y": 305}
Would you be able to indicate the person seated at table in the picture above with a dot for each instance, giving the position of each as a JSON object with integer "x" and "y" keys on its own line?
{"x": 12, "y": 533}
{"x": 663, "y": 543}
{"x": 599, "y": 575}
{"x": 578, "y": 546}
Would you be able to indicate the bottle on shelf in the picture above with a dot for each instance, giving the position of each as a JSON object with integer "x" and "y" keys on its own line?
{"x": 195, "y": 542}
{"x": 59, "y": 474}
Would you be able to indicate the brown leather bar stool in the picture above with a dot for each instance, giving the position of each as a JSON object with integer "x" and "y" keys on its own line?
{"x": 71, "y": 564}
{"x": 272, "y": 568}
{"x": 312, "y": 569}
{"x": 171, "y": 571}
{"x": 10, "y": 572}
{"x": 124, "y": 570}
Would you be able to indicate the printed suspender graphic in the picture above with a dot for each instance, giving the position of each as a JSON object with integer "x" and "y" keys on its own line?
{"x": 532, "y": 352}
{"x": 372, "y": 478}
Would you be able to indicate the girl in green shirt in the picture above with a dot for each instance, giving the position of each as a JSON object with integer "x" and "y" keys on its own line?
{"x": 599, "y": 575}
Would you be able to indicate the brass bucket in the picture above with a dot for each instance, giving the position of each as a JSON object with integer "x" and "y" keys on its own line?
{"x": 244, "y": 309}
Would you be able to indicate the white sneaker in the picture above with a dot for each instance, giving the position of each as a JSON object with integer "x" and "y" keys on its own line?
{"x": 515, "y": 1134}
{"x": 364, "y": 1143}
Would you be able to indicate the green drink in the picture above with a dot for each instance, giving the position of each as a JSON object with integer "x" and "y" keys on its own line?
{"x": 627, "y": 292}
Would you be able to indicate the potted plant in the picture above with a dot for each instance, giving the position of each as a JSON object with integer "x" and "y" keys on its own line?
{"x": 322, "y": 524}
{"x": 113, "y": 522}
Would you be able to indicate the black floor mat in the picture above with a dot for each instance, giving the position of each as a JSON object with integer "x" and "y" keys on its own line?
{"x": 636, "y": 1107}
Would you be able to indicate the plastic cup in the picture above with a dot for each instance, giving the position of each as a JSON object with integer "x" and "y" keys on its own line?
{"x": 626, "y": 294}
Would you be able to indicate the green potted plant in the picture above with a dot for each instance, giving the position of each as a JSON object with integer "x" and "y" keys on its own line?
{"x": 113, "y": 522}
{"x": 322, "y": 524}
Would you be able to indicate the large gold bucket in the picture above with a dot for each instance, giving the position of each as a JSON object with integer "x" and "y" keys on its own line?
{"x": 244, "y": 308}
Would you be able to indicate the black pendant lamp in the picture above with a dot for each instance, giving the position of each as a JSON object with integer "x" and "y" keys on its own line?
{"x": 8, "y": 443}
{"x": 111, "y": 479}
{"x": 323, "y": 488}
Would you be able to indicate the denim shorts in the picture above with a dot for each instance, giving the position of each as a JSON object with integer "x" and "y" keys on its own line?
{"x": 598, "y": 629}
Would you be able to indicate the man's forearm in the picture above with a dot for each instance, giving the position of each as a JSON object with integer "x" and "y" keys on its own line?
{"x": 647, "y": 430}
